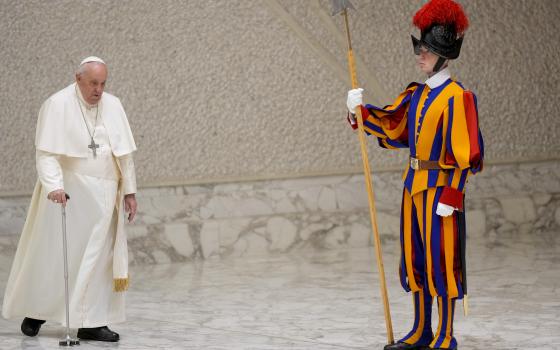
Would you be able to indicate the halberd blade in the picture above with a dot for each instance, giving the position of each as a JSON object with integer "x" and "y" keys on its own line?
{"x": 339, "y": 6}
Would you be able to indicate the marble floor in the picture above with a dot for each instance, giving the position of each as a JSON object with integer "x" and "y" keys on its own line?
{"x": 326, "y": 300}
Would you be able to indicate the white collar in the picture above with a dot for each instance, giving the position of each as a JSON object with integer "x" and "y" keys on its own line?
{"x": 439, "y": 78}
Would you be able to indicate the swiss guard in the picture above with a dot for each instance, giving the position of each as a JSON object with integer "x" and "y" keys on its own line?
{"x": 437, "y": 121}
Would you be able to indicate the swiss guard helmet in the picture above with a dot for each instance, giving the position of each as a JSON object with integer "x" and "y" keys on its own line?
{"x": 442, "y": 24}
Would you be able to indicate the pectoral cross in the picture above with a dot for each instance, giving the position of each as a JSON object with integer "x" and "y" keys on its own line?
{"x": 93, "y": 147}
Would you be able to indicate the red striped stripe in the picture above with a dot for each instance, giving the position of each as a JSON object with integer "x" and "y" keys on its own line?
{"x": 472, "y": 127}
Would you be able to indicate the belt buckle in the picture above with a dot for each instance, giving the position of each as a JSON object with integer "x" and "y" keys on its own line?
{"x": 414, "y": 164}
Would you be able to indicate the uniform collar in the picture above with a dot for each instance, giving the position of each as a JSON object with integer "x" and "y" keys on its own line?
{"x": 439, "y": 78}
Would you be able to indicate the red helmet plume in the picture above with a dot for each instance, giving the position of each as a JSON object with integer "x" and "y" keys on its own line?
{"x": 442, "y": 12}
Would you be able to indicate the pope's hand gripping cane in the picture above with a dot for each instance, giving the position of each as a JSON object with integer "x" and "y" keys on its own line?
{"x": 341, "y": 6}
{"x": 67, "y": 341}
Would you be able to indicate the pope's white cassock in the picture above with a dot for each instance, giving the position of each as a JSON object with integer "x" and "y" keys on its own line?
{"x": 97, "y": 250}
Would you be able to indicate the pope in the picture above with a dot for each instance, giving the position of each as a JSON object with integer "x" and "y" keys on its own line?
{"x": 84, "y": 147}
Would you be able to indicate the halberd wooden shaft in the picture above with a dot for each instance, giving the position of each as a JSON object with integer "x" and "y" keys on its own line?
{"x": 369, "y": 188}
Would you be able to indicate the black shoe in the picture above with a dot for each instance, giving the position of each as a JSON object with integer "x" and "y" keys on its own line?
{"x": 31, "y": 326}
{"x": 405, "y": 346}
{"x": 99, "y": 334}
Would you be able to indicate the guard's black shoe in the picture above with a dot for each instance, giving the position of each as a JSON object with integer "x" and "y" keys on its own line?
{"x": 405, "y": 346}
{"x": 31, "y": 326}
{"x": 99, "y": 334}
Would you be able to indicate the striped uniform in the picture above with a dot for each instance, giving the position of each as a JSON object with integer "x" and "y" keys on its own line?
{"x": 436, "y": 124}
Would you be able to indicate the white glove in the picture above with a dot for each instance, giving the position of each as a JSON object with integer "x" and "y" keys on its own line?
{"x": 354, "y": 99}
{"x": 444, "y": 209}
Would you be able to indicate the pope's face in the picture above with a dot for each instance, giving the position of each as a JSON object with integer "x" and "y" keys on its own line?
{"x": 426, "y": 60}
{"x": 92, "y": 82}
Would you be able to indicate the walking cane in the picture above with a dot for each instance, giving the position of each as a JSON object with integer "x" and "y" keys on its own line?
{"x": 66, "y": 341}
{"x": 341, "y": 6}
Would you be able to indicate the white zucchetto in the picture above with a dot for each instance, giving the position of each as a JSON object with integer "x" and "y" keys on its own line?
{"x": 92, "y": 59}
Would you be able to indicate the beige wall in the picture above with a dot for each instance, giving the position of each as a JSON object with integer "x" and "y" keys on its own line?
{"x": 243, "y": 89}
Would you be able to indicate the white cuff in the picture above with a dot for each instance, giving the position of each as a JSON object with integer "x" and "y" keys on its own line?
{"x": 128, "y": 173}
{"x": 444, "y": 210}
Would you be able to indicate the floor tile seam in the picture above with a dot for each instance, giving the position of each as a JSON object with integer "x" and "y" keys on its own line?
{"x": 186, "y": 323}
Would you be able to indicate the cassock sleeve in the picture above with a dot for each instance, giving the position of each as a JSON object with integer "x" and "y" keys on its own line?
{"x": 464, "y": 147}
{"x": 128, "y": 173}
{"x": 390, "y": 123}
{"x": 49, "y": 170}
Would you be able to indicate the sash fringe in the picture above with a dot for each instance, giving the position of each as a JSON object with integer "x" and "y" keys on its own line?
{"x": 121, "y": 284}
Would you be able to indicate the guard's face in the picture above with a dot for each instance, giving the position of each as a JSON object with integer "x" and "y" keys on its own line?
{"x": 425, "y": 59}
{"x": 92, "y": 82}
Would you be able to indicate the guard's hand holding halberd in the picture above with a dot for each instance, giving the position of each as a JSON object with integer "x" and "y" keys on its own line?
{"x": 58, "y": 196}
{"x": 444, "y": 210}
{"x": 354, "y": 99}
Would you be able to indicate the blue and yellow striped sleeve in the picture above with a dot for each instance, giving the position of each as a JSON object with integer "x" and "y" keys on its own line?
{"x": 389, "y": 124}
